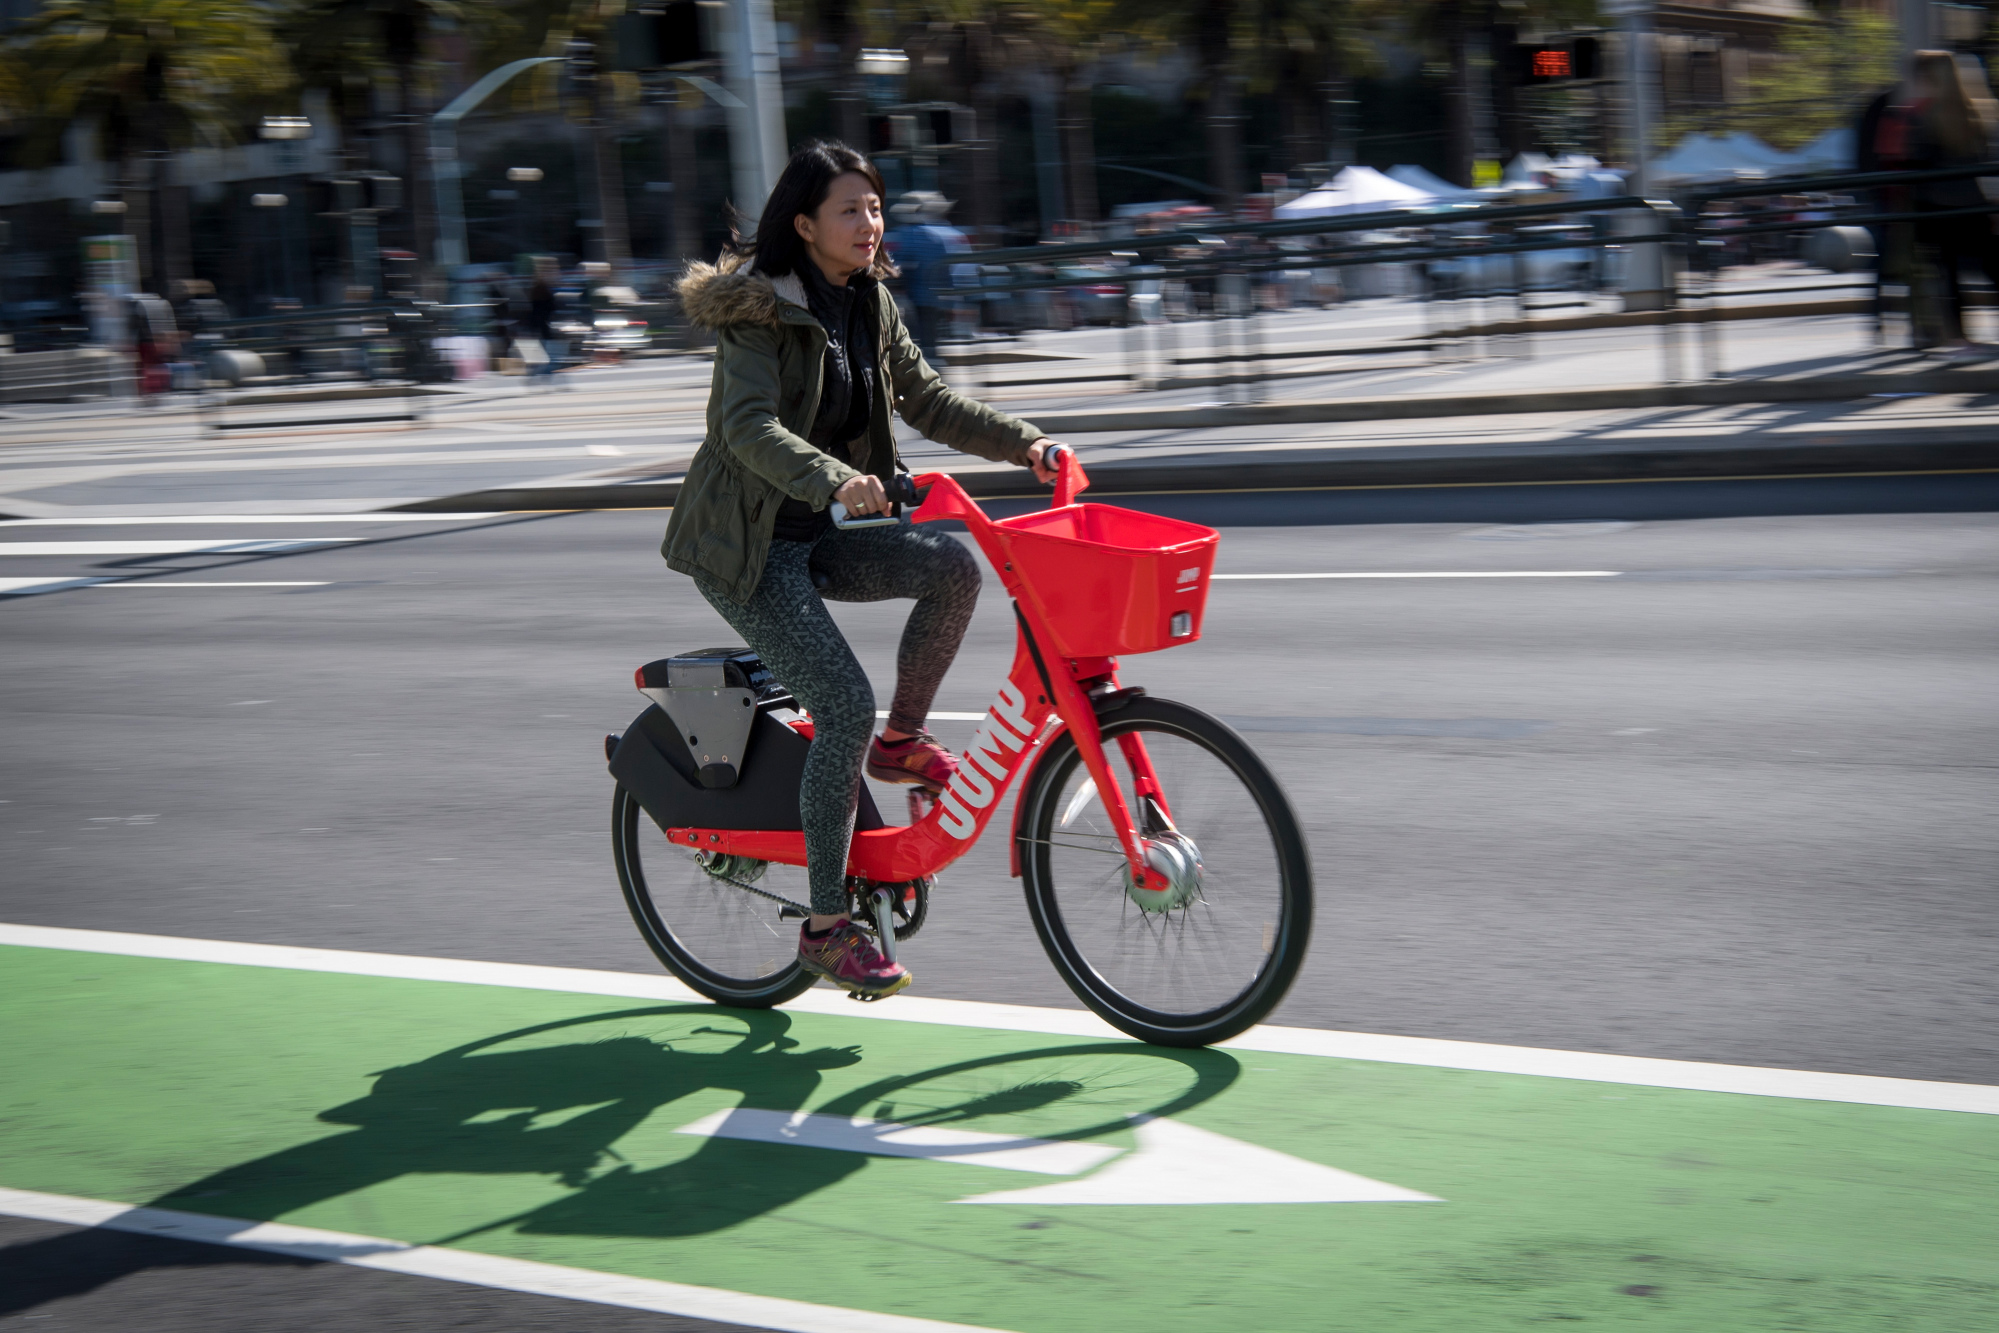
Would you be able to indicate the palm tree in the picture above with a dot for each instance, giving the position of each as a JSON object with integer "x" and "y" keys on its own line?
{"x": 154, "y": 75}
{"x": 1305, "y": 53}
{"x": 1218, "y": 33}
{"x": 392, "y": 34}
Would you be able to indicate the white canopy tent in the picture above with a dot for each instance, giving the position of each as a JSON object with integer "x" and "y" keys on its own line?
{"x": 1831, "y": 151}
{"x": 1356, "y": 190}
{"x": 1701, "y": 157}
{"x": 1525, "y": 171}
{"x": 1416, "y": 178}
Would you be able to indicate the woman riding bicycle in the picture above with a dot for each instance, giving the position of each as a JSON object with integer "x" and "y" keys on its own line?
{"x": 810, "y": 356}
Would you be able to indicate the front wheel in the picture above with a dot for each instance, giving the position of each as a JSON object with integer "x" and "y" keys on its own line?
{"x": 714, "y": 921}
{"x": 1198, "y": 965}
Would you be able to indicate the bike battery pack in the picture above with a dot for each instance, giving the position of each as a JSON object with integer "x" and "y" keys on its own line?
{"x": 711, "y": 695}
{"x": 653, "y": 763}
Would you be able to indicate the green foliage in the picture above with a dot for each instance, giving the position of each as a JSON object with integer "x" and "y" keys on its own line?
{"x": 1824, "y": 69}
{"x": 152, "y": 73}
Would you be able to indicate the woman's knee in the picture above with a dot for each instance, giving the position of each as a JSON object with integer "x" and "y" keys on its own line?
{"x": 953, "y": 570}
{"x": 843, "y": 716}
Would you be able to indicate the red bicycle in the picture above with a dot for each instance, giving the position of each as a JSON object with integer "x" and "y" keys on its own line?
{"x": 1164, "y": 870}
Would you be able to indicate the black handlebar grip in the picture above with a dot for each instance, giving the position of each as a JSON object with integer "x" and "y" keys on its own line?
{"x": 904, "y": 490}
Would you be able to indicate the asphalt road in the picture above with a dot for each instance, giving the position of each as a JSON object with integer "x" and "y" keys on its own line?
{"x": 1733, "y": 805}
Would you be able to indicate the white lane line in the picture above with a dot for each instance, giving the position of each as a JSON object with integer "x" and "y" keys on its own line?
{"x": 885, "y": 1138}
{"x": 473, "y": 1269}
{"x": 198, "y": 546}
{"x": 1435, "y": 1053}
{"x": 882, "y": 715}
{"x": 30, "y": 587}
{"x": 164, "y": 519}
{"x": 1446, "y": 574}
{"x": 161, "y": 583}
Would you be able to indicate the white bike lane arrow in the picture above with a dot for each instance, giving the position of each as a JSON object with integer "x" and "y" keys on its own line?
{"x": 1173, "y": 1163}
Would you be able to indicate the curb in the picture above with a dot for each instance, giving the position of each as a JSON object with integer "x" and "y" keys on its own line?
{"x": 1387, "y": 467}
{"x": 1715, "y": 393}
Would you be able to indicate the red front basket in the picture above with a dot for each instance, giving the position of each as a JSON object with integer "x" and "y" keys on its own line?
{"x": 1112, "y": 581}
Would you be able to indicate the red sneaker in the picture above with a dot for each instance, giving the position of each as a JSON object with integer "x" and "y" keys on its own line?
{"x": 847, "y": 957}
{"x": 918, "y": 759}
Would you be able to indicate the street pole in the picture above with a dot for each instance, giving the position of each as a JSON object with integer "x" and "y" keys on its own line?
{"x": 1647, "y": 283}
{"x": 1918, "y": 23}
{"x": 446, "y": 174}
{"x": 757, "y": 148}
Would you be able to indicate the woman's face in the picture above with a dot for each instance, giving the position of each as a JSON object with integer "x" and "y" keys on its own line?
{"x": 844, "y": 234}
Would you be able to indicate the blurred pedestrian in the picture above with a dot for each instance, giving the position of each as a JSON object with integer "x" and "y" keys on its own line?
{"x": 1953, "y": 127}
{"x": 539, "y": 348}
{"x": 924, "y": 236}
{"x": 154, "y": 338}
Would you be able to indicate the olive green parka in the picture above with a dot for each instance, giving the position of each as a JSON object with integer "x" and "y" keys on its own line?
{"x": 770, "y": 355}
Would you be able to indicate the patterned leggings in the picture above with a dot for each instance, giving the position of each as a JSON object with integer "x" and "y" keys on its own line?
{"x": 787, "y": 624}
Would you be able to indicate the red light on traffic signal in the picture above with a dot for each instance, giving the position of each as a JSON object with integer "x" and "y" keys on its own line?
{"x": 1551, "y": 63}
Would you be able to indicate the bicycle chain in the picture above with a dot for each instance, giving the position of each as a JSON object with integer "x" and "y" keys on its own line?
{"x": 761, "y": 893}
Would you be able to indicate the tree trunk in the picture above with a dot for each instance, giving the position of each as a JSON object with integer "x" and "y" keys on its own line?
{"x": 1224, "y": 120}
{"x": 837, "y": 29}
{"x": 615, "y": 231}
{"x": 418, "y": 167}
{"x": 1336, "y": 96}
{"x": 170, "y": 214}
{"x": 1079, "y": 148}
{"x": 1510, "y": 124}
{"x": 1459, "y": 149}
{"x": 138, "y": 201}
{"x": 1303, "y": 128}
{"x": 982, "y": 76}
{"x": 684, "y": 241}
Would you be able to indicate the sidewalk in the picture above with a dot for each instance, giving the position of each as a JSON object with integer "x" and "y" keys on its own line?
{"x": 1801, "y": 397}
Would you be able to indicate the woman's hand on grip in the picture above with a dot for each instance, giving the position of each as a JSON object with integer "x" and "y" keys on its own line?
{"x": 863, "y": 495}
{"x": 1036, "y": 452}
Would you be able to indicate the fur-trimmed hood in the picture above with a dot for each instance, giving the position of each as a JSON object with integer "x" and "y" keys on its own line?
{"x": 730, "y": 291}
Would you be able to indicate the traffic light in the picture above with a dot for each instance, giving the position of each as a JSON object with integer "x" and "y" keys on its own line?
{"x": 1556, "y": 61}
{"x": 663, "y": 36}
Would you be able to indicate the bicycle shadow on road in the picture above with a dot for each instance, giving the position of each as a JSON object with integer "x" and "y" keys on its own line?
{"x": 554, "y": 1100}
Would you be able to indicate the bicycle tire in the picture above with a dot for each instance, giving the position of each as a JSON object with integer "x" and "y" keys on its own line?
{"x": 723, "y": 981}
{"x": 1120, "y": 965}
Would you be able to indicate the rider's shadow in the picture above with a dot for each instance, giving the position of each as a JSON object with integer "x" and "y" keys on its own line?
{"x": 557, "y": 1111}
{"x": 528, "y": 1103}
{"x": 495, "y": 1107}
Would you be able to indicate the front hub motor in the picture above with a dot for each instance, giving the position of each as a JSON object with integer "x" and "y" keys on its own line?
{"x": 1174, "y": 858}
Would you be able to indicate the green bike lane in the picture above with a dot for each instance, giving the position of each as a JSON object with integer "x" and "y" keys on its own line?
{"x": 1036, "y": 1181}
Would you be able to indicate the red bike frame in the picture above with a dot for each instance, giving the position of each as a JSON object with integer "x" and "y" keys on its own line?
{"x": 1042, "y": 696}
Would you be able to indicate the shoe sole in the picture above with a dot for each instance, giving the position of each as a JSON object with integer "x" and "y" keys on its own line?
{"x": 855, "y": 987}
{"x": 903, "y": 777}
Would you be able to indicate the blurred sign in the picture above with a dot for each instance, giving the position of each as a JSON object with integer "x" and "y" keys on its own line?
{"x": 1485, "y": 173}
{"x": 111, "y": 263}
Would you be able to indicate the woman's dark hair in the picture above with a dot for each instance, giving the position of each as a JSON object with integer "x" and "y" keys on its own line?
{"x": 807, "y": 180}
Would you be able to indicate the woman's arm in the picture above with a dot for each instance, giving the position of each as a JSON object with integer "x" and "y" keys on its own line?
{"x": 942, "y": 413}
{"x": 750, "y": 384}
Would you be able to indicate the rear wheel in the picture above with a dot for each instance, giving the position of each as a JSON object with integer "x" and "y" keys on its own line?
{"x": 1202, "y": 963}
{"x": 706, "y": 920}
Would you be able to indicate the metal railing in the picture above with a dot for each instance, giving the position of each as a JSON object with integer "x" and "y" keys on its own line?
{"x": 1236, "y": 255}
{"x": 324, "y": 354}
